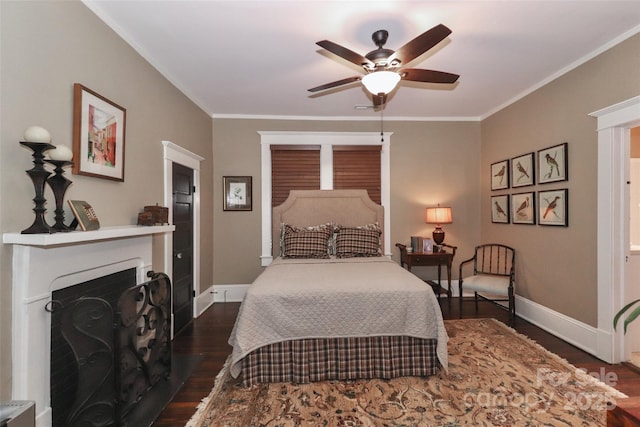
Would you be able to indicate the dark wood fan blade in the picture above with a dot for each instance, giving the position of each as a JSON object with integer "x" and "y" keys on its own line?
{"x": 335, "y": 84}
{"x": 379, "y": 100}
{"x": 427, "y": 76}
{"x": 420, "y": 44}
{"x": 344, "y": 53}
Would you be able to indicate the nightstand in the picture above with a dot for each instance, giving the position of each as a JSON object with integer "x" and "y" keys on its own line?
{"x": 429, "y": 259}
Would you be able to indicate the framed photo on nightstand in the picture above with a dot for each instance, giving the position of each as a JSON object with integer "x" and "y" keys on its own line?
{"x": 427, "y": 245}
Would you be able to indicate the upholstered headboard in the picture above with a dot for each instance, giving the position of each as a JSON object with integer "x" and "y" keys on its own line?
{"x": 313, "y": 207}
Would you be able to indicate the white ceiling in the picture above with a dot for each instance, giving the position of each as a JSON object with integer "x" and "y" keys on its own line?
{"x": 258, "y": 58}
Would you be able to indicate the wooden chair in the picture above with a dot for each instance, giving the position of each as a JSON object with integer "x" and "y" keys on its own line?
{"x": 493, "y": 277}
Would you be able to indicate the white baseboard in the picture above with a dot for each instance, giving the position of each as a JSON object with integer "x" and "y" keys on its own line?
{"x": 218, "y": 293}
{"x": 229, "y": 293}
{"x": 592, "y": 340}
{"x": 579, "y": 334}
{"x": 203, "y": 301}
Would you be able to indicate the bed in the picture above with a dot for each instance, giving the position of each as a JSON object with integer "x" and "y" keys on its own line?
{"x": 331, "y": 306}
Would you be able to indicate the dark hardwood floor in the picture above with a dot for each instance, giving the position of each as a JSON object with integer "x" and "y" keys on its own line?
{"x": 208, "y": 335}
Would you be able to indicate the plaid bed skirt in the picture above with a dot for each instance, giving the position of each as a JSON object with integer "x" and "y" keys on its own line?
{"x": 309, "y": 360}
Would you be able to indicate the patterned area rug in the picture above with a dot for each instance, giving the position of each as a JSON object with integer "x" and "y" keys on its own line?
{"x": 496, "y": 377}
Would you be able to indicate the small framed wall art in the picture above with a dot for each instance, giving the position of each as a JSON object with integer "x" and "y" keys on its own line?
{"x": 553, "y": 207}
{"x": 237, "y": 193}
{"x": 553, "y": 164}
{"x": 98, "y": 135}
{"x": 500, "y": 175}
{"x": 523, "y": 170}
{"x": 523, "y": 208}
{"x": 500, "y": 209}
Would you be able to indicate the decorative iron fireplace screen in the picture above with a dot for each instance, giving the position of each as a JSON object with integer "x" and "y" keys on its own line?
{"x": 117, "y": 348}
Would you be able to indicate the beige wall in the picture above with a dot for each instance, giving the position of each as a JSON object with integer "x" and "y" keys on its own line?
{"x": 431, "y": 163}
{"x": 46, "y": 47}
{"x": 556, "y": 267}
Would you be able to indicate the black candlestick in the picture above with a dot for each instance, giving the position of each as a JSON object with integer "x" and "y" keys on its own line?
{"x": 59, "y": 184}
{"x": 38, "y": 175}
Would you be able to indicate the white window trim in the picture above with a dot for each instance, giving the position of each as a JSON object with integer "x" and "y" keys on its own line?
{"x": 326, "y": 141}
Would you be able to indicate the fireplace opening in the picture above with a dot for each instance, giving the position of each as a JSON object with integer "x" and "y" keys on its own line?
{"x": 110, "y": 343}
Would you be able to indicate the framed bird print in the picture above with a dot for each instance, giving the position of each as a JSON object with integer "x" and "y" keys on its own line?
{"x": 553, "y": 207}
{"x": 500, "y": 175}
{"x": 523, "y": 208}
{"x": 522, "y": 170}
{"x": 553, "y": 164}
{"x": 500, "y": 209}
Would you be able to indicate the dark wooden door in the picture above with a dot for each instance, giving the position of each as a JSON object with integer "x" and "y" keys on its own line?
{"x": 182, "y": 246}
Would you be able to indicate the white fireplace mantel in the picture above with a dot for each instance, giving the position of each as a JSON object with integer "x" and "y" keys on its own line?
{"x": 43, "y": 263}
{"x": 72, "y": 237}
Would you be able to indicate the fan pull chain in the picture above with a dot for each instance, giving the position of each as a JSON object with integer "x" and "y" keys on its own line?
{"x": 381, "y": 124}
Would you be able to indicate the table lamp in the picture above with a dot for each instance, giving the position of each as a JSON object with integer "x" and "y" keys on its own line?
{"x": 439, "y": 215}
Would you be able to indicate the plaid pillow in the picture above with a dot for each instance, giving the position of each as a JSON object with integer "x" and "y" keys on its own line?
{"x": 305, "y": 242}
{"x": 358, "y": 241}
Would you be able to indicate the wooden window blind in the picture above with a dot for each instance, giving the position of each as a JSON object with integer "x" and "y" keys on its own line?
{"x": 293, "y": 167}
{"x": 357, "y": 167}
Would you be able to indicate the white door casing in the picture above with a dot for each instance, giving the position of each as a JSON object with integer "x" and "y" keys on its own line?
{"x": 175, "y": 154}
{"x": 614, "y": 123}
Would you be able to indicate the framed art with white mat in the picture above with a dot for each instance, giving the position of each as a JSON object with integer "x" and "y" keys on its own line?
{"x": 553, "y": 207}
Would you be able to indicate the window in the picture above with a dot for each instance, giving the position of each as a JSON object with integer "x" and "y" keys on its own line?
{"x": 336, "y": 154}
{"x": 357, "y": 166}
{"x": 293, "y": 167}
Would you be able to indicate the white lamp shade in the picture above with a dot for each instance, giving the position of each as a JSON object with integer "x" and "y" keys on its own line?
{"x": 380, "y": 82}
{"x": 439, "y": 215}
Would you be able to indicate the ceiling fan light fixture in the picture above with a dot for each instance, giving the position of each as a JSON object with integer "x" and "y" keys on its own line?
{"x": 380, "y": 82}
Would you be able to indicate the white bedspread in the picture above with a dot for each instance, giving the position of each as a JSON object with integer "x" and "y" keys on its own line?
{"x": 324, "y": 298}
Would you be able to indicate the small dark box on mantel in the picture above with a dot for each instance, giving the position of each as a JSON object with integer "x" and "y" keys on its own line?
{"x": 153, "y": 215}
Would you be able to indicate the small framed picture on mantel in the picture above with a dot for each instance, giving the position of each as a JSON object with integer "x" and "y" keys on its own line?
{"x": 84, "y": 215}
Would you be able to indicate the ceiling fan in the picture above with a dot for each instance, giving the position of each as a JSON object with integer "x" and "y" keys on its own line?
{"x": 383, "y": 67}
